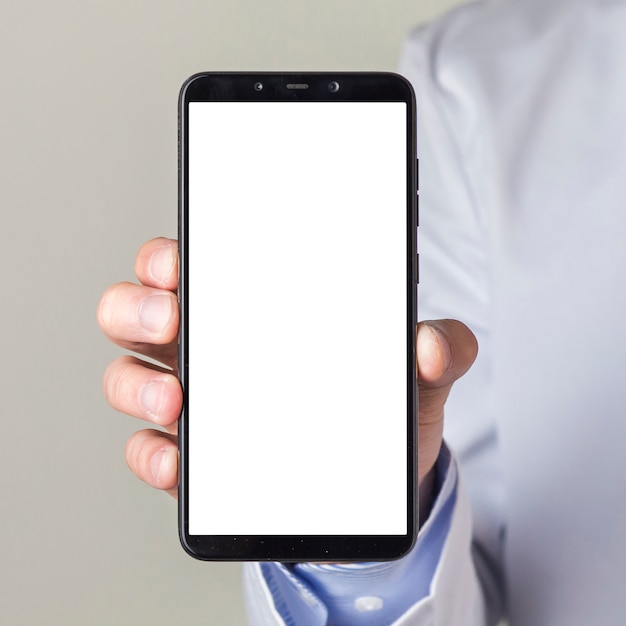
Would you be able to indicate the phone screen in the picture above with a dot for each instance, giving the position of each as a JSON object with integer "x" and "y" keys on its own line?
{"x": 297, "y": 319}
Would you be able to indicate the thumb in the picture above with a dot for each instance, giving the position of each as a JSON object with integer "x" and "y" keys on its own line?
{"x": 445, "y": 350}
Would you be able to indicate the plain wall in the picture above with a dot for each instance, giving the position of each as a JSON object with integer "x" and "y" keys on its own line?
{"x": 87, "y": 173}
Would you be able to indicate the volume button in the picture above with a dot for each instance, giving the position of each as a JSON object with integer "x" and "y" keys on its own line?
{"x": 417, "y": 209}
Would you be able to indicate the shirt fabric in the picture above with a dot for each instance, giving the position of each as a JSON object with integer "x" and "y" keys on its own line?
{"x": 522, "y": 144}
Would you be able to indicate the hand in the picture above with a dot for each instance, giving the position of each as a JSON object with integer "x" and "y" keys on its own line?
{"x": 144, "y": 318}
{"x": 445, "y": 350}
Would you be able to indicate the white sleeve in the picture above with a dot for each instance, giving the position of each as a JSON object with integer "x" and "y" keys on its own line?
{"x": 455, "y": 280}
{"x": 455, "y": 597}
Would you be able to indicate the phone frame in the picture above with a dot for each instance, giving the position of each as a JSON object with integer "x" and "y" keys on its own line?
{"x": 354, "y": 86}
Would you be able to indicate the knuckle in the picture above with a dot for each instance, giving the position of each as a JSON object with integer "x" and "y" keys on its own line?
{"x": 137, "y": 455}
{"x": 103, "y": 312}
{"x": 112, "y": 307}
{"x": 117, "y": 383}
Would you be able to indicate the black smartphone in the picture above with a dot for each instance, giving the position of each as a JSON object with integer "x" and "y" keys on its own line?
{"x": 298, "y": 278}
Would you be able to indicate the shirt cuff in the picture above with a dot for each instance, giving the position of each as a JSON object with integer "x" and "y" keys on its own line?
{"x": 367, "y": 594}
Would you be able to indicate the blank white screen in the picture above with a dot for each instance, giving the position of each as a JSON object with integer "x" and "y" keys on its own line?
{"x": 297, "y": 318}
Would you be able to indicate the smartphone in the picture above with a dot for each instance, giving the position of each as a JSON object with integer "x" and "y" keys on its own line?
{"x": 298, "y": 278}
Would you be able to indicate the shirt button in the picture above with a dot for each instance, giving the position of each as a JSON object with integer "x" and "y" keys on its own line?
{"x": 368, "y": 603}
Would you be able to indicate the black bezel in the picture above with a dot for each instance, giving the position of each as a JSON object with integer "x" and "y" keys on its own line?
{"x": 354, "y": 86}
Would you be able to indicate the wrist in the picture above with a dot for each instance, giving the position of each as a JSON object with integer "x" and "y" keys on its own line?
{"x": 426, "y": 494}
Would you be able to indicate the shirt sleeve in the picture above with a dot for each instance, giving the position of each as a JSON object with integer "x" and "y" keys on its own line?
{"x": 456, "y": 281}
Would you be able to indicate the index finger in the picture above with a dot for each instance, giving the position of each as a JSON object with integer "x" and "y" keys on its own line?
{"x": 156, "y": 264}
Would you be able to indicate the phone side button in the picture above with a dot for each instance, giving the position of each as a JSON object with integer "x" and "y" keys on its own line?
{"x": 417, "y": 209}
{"x": 417, "y": 268}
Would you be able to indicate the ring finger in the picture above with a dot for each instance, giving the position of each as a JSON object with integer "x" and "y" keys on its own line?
{"x": 143, "y": 390}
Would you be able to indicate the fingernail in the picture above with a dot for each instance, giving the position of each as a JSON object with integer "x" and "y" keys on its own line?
{"x": 426, "y": 340}
{"x": 155, "y": 312}
{"x": 161, "y": 463}
{"x": 152, "y": 397}
{"x": 161, "y": 264}
{"x": 432, "y": 341}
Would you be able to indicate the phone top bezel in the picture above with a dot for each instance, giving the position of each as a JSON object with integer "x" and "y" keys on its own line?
{"x": 354, "y": 87}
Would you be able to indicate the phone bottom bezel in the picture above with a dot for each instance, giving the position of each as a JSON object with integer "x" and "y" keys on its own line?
{"x": 288, "y": 548}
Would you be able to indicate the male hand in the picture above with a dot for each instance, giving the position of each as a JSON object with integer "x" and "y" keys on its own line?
{"x": 144, "y": 318}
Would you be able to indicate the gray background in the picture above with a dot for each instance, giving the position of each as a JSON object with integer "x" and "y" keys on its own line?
{"x": 87, "y": 173}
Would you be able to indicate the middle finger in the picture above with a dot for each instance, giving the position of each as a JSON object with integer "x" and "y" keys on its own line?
{"x": 140, "y": 318}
